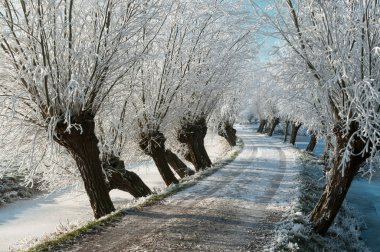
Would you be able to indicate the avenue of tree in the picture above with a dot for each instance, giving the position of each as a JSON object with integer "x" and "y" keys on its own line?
{"x": 325, "y": 77}
{"x": 88, "y": 85}
{"x": 100, "y": 80}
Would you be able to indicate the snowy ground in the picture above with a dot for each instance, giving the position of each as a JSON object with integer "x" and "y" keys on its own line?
{"x": 363, "y": 195}
{"x": 234, "y": 209}
{"x": 25, "y": 220}
{"x": 31, "y": 218}
{"x": 294, "y": 232}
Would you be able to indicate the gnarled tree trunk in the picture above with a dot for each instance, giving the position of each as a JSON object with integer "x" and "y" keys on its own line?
{"x": 178, "y": 166}
{"x": 266, "y": 127}
{"x": 326, "y": 151}
{"x": 274, "y": 122}
{"x": 337, "y": 187}
{"x": 313, "y": 141}
{"x": 153, "y": 144}
{"x": 192, "y": 134}
{"x": 119, "y": 178}
{"x": 228, "y": 132}
{"x": 293, "y": 135}
{"x": 286, "y": 131}
{"x": 261, "y": 126}
{"x": 82, "y": 144}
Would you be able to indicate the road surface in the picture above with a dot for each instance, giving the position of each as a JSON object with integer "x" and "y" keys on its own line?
{"x": 232, "y": 210}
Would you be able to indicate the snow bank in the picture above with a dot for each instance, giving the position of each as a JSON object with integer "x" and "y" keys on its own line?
{"x": 295, "y": 233}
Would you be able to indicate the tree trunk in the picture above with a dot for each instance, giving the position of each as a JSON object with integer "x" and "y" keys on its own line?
{"x": 266, "y": 127}
{"x": 228, "y": 132}
{"x": 178, "y": 166}
{"x": 82, "y": 144}
{"x": 261, "y": 126}
{"x": 326, "y": 151}
{"x": 153, "y": 144}
{"x": 286, "y": 131}
{"x": 119, "y": 178}
{"x": 293, "y": 135}
{"x": 337, "y": 187}
{"x": 313, "y": 141}
{"x": 193, "y": 134}
{"x": 275, "y": 121}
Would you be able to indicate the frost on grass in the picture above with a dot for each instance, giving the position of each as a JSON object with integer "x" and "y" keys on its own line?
{"x": 295, "y": 232}
{"x": 29, "y": 242}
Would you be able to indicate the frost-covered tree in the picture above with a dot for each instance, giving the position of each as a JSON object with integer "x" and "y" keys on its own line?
{"x": 177, "y": 67}
{"x": 217, "y": 68}
{"x": 265, "y": 100}
{"x": 60, "y": 61}
{"x": 225, "y": 116}
{"x": 158, "y": 79}
{"x": 333, "y": 48}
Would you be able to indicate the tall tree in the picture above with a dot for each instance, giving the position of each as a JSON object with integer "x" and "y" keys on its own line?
{"x": 61, "y": 60}
{"x": 332, "y": 46}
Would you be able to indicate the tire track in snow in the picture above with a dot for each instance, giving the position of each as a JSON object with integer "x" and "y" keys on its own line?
{"x": 203, "y": 192}
{"x": 277, "y": 178}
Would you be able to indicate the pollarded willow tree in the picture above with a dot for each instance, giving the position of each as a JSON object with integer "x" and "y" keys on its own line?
{"x": 60, "y": 61}
{"x": 167, "y": 71}
{"x": 158, "y": 78}
{"x": 225, "y": 115}
{"x": 237, "y": 92}
{"x": 304, "y": 110}
{"x": 334, "y": 46}
{"x": 222, "y": 65}
{"x": 265, "y": 100}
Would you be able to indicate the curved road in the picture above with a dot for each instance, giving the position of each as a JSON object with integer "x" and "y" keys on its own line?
{"x": 227, "y": 211}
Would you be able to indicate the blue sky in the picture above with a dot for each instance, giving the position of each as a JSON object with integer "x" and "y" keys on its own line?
{"x": 265, "y": 43}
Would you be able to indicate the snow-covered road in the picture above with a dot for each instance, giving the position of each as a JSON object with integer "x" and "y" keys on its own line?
{"x": 234, "y": 209}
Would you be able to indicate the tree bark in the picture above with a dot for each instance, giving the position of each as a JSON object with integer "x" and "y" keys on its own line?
{"x": 286, "y": 131}
{"x": 293, "y": 135}
{"x": 228, "y": 132}
{"x": 178, "y": 166}
{"x": 153, "y": 144}
{"x": 82, "y": 144}
{"x": 261, "y": 126}
{"x": 275, "y": 121}
{"x": 313, "y": 141}
{"x": 120, "y": 178}
{"x": 337, "y": 187}
{"x": 192, "y": 134}
{"x": 326, "y": 151}
{"x": 266, "y": 127}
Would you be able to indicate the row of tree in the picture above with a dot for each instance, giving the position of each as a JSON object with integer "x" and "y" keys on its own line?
{"x": 100, "y": 79}
{"x": 325, "y": 76}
